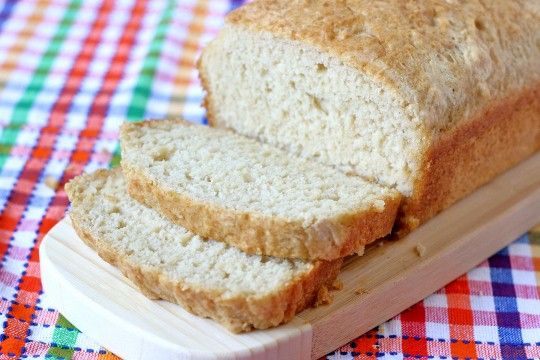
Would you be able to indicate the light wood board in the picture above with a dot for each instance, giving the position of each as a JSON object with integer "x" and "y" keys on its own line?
{"x": 97, "y": 299}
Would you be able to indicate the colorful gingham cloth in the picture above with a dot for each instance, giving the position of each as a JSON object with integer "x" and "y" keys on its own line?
{"x": 72, "y": 71}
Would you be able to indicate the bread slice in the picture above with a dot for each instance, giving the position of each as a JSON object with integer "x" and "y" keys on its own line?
{"x": 207, "y": 277}
{"x": 433, "y": 98}
{"x": 258, "y": 198}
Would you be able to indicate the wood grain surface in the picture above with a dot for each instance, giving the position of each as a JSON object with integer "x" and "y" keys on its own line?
{"x": 390, "y": 277}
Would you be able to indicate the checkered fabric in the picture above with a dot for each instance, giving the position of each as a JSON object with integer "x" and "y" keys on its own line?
{"x": 72, "y": 71}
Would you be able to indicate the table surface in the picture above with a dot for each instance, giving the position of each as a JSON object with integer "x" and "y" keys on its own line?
{"x": 72, "y": 71}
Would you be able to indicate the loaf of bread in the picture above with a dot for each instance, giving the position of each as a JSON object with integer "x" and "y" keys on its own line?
{"x": 433, "y": 98}
{"x": 256, "y": 197}
{"x": 207, "y": 277}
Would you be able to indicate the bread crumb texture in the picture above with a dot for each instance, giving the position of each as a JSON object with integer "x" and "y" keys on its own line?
{"x": 420, "y": 250}
{"x": 323, "y": 297}
{"x": 337, "y": 285}
{"x": 361, "y": 291}
{"x": 360, "y": 251}
{"x": 51, "y": 182}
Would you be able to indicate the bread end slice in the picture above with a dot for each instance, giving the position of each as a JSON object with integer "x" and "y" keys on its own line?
{"x": 122, "y": 232}
{"x": 333, "y": 214}
{"x": 249, "y": 232}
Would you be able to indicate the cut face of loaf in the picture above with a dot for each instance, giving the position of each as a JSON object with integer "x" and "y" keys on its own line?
{"x": 427, "y": 97}
{"x": 207, "y": 277}
{"x": 250, "y": 195}
{"x": 311, "y": 104}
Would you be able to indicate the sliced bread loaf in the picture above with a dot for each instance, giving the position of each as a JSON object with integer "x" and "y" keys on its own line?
{"x": 431, "y": 97}
{"x": 258, "y": 198}
{"x": 207, "y": 277}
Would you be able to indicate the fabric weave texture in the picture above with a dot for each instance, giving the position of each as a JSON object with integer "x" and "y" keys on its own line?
{"x": 72, "y": 71}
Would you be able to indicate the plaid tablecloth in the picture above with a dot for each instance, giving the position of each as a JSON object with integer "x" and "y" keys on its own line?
{"x": 72, "y": 71}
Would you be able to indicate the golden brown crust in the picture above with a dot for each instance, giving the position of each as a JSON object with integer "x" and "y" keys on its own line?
{"x": 264, "y": 235}
{"x": 473, "y": 154}
{"x": 238, "y": 314}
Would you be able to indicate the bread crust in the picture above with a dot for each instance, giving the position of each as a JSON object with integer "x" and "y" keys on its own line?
{"x": 472, "y": 154}
{"x": 259, "y": 234}
{"x": 239, "y": 313}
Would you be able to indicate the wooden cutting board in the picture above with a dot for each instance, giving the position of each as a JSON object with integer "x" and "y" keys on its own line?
{"x": 389, "y": 278}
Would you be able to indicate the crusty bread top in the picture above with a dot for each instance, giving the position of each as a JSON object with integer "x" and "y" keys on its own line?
{"x": 446, "y": 59}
